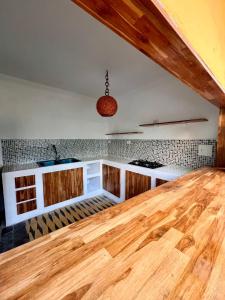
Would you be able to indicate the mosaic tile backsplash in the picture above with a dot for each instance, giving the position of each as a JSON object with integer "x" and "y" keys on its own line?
{"x": 32, "y": 150}
{"x": 180, "y": 152}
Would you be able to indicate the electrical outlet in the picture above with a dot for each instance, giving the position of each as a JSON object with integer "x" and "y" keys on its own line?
{"x": 205, "y": 150}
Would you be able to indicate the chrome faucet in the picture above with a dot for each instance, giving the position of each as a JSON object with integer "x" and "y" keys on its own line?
{"x": 57, "y": 156}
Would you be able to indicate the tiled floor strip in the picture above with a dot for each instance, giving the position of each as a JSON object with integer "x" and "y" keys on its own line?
{"x": 36, "y": 227}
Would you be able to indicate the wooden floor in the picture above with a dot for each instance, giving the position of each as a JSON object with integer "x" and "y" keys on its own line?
{"x": 168, "y": 243}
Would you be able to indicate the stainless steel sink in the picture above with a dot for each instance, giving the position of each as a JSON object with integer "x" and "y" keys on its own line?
{"x": 48, "y": 163}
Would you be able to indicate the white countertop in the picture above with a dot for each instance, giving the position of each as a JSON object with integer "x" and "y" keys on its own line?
{"x": 178, "y": 170}
{"x": 172, "y": 170}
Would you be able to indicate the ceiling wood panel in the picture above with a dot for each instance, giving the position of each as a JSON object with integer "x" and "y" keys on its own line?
{"x": 142, "y": 25}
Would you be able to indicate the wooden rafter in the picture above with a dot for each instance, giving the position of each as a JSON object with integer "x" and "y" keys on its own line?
{"x": 141, "y": 23}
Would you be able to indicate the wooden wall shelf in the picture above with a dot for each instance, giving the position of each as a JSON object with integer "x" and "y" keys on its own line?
{"x": 120, "y": 133}
{"x": 176, "y": 122}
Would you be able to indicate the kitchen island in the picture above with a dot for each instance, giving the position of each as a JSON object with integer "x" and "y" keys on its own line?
{"x": 168, "y": 243}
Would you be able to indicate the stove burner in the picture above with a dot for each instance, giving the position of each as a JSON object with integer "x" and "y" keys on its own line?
{"x": 146, "y": 164}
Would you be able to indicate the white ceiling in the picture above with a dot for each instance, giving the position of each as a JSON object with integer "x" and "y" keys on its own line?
{"x": 56, "y": 43}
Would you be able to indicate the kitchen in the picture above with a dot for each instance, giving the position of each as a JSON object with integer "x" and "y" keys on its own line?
{"x": 77, "y": 171}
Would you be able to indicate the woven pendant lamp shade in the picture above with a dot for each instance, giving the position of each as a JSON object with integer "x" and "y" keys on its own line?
{"x": 106, "y": 105}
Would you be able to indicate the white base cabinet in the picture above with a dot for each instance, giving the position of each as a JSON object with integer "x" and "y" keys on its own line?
{"x": 24, "y": 193}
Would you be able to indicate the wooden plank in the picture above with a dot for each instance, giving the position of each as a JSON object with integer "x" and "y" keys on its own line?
{"x": 24, "y": 181}
{"x": 136, "y": 184}
{"x": 111, "y": 179}
{"x": 175, "y": 122}
{"x": 62, "y": 185}
{"x": 216, "y": 281}
{"x": 142, "y": 24}
{"x": 220, "y": 156}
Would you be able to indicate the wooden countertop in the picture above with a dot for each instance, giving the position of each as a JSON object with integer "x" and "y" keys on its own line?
{"x": 168, "y": 243}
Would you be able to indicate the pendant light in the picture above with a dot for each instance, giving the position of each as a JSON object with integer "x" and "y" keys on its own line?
{"x": 106, "y": 105}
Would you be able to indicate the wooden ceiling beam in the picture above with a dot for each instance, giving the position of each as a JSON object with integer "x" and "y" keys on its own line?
{"x": 142, "y": 24}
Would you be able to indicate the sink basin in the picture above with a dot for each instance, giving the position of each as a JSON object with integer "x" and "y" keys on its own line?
{"x": 47, "y": 163}
{"x": 67, "y": 161}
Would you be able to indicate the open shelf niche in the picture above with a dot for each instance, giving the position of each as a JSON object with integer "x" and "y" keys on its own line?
{"x": 93, "y": 177}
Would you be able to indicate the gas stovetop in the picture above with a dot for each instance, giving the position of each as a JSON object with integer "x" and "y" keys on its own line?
{"x": 146, "y": 164}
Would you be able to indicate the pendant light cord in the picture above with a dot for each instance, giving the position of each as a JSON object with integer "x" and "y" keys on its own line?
{"x": 107, "y": 83}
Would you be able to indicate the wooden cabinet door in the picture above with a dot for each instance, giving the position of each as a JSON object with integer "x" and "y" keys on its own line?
{"x": 25, "y": 194}
{"x": 24, "y": 181}
{"x": 160, "y": 181}
{"x": 25, "y": 207}
{"x": 62, "y": 185}
{"x": 136, "y": 184}
{"x": 111, "y": 180}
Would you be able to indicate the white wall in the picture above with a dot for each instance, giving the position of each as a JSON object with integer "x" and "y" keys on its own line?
{"x": 29, "y": 110}
{"x": 165, "y": 100}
